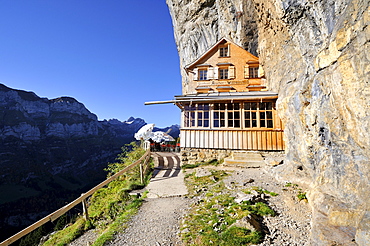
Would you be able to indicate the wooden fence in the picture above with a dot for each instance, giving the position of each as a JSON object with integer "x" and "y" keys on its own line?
{"x": 143, "y": 162}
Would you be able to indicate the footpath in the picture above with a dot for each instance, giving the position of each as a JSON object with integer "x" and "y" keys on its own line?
{"x": 157, "y": 221}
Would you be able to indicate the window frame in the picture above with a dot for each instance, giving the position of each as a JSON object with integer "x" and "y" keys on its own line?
{"x": 202, "y": 74}
{"x": 223, "y": 51}
{"x": 253, "y": 72}
{"x": 222, "y": 72}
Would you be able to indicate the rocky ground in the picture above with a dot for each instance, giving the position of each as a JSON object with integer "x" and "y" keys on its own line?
{"x": 158, "y": 220}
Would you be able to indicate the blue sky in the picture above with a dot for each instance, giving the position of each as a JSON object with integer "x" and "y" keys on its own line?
{"x": 111, "y": 55}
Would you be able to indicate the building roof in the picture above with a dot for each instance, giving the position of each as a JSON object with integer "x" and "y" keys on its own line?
{"x": 220, "y": 96}
{"x": 215, "y": 46}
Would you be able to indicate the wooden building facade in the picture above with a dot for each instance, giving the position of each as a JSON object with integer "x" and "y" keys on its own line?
{"x": 226, "y": 105}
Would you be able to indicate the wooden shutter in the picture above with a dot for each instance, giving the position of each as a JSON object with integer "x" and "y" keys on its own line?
{"x": 246, "y": 72}
{"x": 261, "y": 73}
{"x": 195, "y": 74}
{"x": 231, "y": 72}
{"x": 210, "y": 73}
{"x": 215, "y": 73}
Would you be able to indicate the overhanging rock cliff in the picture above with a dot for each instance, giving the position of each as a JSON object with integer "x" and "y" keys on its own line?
{"x": 315, "y": 54}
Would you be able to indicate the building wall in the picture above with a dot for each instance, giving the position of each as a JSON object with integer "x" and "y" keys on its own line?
{"x": 192, "y": 155}
{"x": 238, "y": 58}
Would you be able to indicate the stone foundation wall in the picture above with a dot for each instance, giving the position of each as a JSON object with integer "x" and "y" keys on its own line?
{"x": 192, "y": 155}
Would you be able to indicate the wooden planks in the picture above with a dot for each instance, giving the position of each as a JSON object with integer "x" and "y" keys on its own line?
{"x": 233, "y": 139}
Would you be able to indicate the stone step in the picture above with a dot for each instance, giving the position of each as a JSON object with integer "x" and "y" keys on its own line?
{"x": 242, "y": 163}
{"x": 251, "y": 156}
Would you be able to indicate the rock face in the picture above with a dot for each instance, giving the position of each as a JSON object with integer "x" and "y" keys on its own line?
{"x": 315, "y": 54}
{"x": 51, "y": 151}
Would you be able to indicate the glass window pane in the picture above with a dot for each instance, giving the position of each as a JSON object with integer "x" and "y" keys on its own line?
{"x": 236, "y": 106}
{"x": 262, "y": 106}
{"x": 236, "y": 123}
{"x": 206, "y": 106}
{"x": 262, "y": 123}
{"x": 222, "y": 106}
{"x": 200, "y": 115}
{"x": 269, "y": 115}
{"x": 262, "y": 115}
{"x": 254, "y": 123}
{"x": 269, "y": 106}
{"x": 270, "y": 124}
{"x": 206, "y": 123}
{"x": 254, "y": 115}
{"x": 237, "y": 115}
{"x": 230, "y": 115}
{"x": 247, "y": 106}
{"x": 216, "y": 115}
{"x": 230, "y": 106}
{"x": 216, "y": 123}
{"x": 230, "y": 123}
{"x": 200, "y": 123}
{"x": 247, "y": 115}
{"x": 222, "y": 123}
{"x": 206, "y": 115}
{"x": 222, "y": 115}
{"x": 253, "y": 106}
{"x": 247, "y": 123}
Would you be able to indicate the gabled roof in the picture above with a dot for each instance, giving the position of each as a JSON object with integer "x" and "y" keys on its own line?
{"x": 211, "y": 49}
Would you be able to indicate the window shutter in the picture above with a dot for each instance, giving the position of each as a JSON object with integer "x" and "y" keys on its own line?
{"x": 228, "y": 49}
{"x": 210, "y": 73}
{"x": 215, "y": 74}
{"x": 246, "y": 72}
{"x": 261, "y": 73}
{"x": 195, "y": 74}
{"x": 231, "y": 72}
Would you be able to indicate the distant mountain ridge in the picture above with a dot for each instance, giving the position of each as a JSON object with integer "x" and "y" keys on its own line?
{"x": 53, "y": 145}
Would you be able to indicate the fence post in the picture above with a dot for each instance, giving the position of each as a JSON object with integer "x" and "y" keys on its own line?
{"x": 141, "y": 173}
{"x": 84, "y": 209}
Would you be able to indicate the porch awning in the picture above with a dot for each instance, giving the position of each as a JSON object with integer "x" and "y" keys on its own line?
{"x": 219, "y": 96}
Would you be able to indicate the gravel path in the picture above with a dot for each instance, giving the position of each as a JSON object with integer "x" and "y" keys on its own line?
{"x": 156, "y": 223}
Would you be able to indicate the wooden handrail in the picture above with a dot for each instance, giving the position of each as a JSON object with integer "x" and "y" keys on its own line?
{"x": 55, "y": 215}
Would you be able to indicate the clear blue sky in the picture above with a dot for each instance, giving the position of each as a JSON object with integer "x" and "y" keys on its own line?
{"x": 111, "y": 55}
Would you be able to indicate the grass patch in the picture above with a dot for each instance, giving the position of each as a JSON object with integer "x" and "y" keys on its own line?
{"x": 211, "y": 218}
{"x": 110, "y": 207}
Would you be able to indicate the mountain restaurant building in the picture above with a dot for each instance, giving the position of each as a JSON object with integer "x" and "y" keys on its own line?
{"x": 226, "y": 105}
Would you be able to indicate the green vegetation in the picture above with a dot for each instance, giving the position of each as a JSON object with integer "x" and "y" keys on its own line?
{"x": 301, "y": 196}
{"x": 211, "y": 219}
{"x": 110, "y": 207}
{"x": 260, "y": 191}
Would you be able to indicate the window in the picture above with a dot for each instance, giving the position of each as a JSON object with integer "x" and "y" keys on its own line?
{"x": 202, "y": 74}
{"x": 203, "y": 115}
{"x": 196, "y": 115}
{"x": 253, "y": 72}
{"x": 226, "y": 115}
{"x": 189, "y": 116}
{"x": 223, "y": 73}
{"x": 219, "y": 115}
{"x": 233, "y": 115}
{"x": 258, "y": 115}
{"x": 224, "y": 51}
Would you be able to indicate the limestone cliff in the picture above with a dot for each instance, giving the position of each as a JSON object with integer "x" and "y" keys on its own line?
{"x": 316, "y": 56}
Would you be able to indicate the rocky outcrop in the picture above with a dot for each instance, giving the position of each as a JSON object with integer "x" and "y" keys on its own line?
{"x": 51, "y": 151}
{"x": 315, "y": 54}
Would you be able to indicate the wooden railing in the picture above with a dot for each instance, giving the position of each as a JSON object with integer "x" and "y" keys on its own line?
{"x": 143, "y": 162}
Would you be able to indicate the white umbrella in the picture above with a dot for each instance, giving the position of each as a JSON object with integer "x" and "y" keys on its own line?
{"x": 144, "y": 132}
{"x": 161, "y": 136}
